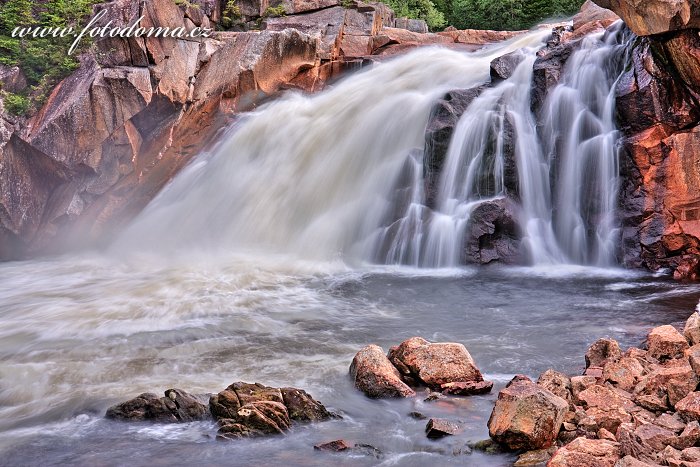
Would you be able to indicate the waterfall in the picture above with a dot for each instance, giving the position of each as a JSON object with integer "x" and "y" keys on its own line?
{"x": 341, "y": 175}
{"x": 567, "y": 170}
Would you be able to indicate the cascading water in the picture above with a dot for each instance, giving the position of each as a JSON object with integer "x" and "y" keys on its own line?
{"x": 312, "y": 176}
{"x": 340, "y": 175}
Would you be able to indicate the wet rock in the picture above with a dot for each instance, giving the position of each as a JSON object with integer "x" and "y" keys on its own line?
{"x": 548, "y": 68}
{"x": 602, "y": 352}
{"x": 302, "y": 407}
{"x": 655, "y": 16}
{"x": 665, "y": 342}
{"x": 227, "y": 403}
{"x": 373, "y": 374}
{"x": 538, "y": 458}
{"x": 691, "y": 330}
{"x": 417, "y": 415}
{"x": 557, "y": 383}
{"x": 586, "y": 452}
{"x": 683, "y": 49}
{"x": 674, "y": 380}
{"x": 338, "y": 445}
{"x": 439, "y": 428}
{"x": 435, "y": 364}
{"x": 260, "y": 418}
{"x": 467, "y": 389}
{"x": 487, "y": 446}
{"x": 433, "y": 396}
{"x": 689, "y": 407}
{"x": 526, "y": 416}
{"x": 438, "y": 134}
{"x": 176, "y": 406}
{"x": 503, "y": 67}
{"x": 493, "y": 233}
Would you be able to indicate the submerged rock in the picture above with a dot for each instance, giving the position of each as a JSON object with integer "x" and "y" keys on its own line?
{"x": 175, "y": 407}
{"x": 526, "y": 416}
{"x": 373, "y": 374}
{"x": 439, "y": 428}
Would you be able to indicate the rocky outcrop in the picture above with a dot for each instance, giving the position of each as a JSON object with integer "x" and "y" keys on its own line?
{"x": 650, "y": 17}
{"x": 177, "y": 406}
{"x": 242, "y": 410}
{"x": 659, "y": 114}
{"x": 444, "y": 366}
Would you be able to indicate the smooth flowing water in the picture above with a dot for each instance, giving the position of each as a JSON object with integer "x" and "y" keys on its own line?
{"x": 253, "y": 265}
{"x": 79, "y": 334}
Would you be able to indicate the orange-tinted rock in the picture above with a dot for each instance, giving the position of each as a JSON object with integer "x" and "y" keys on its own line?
{"x": 435, "y": 364}
{"x": 583, "y": 452}
{"x": 674, "y": 380}
{"x": 601, "y": 396}
{"x": 592, "y": 13}
{"x": 338, "y": 445}
{"x": 689, "y": 407}
{"x": 624, "y": 373}
{"x": 665, "y": 342}
{"x": 650, "y": 17}
{"x": 654, "y": 436}
{"x": 631, "y": 445}
{"x": 601, "y": 352}
{"x": 467, "y": 389}
{"x": 684, "y": 51}
{"x": 580, "y": 384}
{"x": 373, "y": 374}
{"x": 526, "y": 416}
{"x": 688, "y": 437}
{"x": 557, "y": 383}
{"x": 691, "y": 330}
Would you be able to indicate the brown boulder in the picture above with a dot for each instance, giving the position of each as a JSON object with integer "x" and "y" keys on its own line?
{"x": 177, "y": 406}
{"x": 467, "y": 389}
{"x": 603, "y": 351}
{"x": 689, "y": 407}
{"x": 338, "y": 445}
{"x": 259, "y": 418}
{"x": 624, "y": 373}
{"x": 688, "y": 437}
{"x": 439, "y": 428}
{"x": 435, "y": 364}
{"x": 650, "y": 17}
{"x": 557, "y": 383}
{"x": 601, "y": 396}
{"x": 526, "y": 416}
{"x": 583, "y": 452}
{"x": 227, "y": 403}
{"x": 373, "y": 374}
{"x": 580, "y": 384}
{"x": 654, "y": 436}
{"x": 665, "y": 342}
{"x": 302, "y": 407}
{"x": 592, "y": 13}
{"x": 691, "y": 330}
{"x": 676, "y": 380}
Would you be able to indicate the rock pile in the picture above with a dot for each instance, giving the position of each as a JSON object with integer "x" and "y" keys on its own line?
{"x": 629, "y": 408}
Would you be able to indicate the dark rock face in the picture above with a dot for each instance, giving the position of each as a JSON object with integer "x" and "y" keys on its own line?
{"x": 549, "y": 66}
{"x": 493, "y": 233}
{"x": 176, "y": 406}
{"x": 503, "y": 67}
{"x": 439, "y": 428}
{"x": 438, "y": 134}
{"x": 259, "y": 418}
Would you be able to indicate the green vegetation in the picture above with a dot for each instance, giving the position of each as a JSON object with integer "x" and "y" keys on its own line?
{"x": 16, "y": 104}
{"x": 231, "y": 14}
{"x": 419, "y": 9}
{"x": 273, "y": 11}
{"x": 484, "y": 14}
{"x": 44, "y": 61}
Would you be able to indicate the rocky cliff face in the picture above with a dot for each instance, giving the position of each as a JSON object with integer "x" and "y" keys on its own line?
{"x": 659, "y": 115}
{"x": 112, "y": 134}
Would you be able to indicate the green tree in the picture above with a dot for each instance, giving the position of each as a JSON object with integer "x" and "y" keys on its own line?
{"x": 419, "y": 9}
